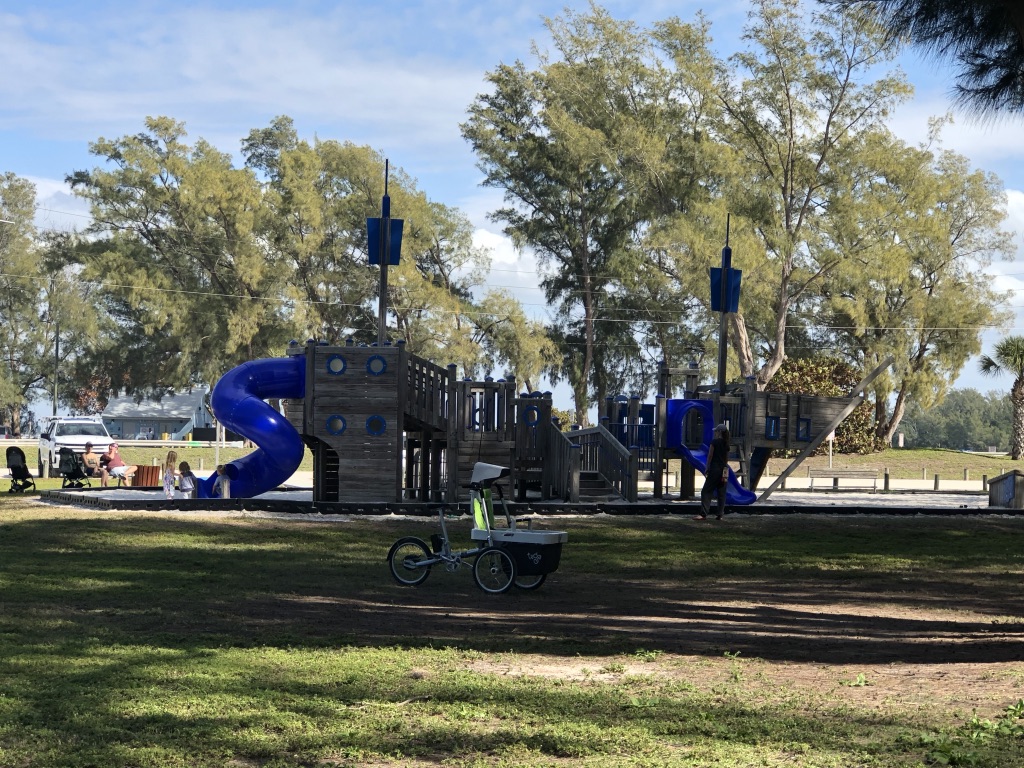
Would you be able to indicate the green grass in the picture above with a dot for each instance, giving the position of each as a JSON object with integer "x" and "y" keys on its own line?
{"x": 202, "y": 460}
{"x": 903, "y": 464}
{"x": 915, "y": 464}
{"x": 137, "y": 640}
{"x": 196, "y": 457}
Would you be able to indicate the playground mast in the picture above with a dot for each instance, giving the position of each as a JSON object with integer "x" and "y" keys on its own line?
{"x": 385, "y": 238}
{"x": 384, "y": 246}
{"x": 723, "y": 327}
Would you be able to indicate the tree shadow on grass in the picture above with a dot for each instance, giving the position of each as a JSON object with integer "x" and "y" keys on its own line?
{"x": 815, "y": 592}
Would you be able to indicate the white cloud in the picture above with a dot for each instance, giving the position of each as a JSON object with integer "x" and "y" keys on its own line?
{"x": 499, "y": 246}
{"x": 214, "y": 68}
{"x": 513, "y": 271}
{"x": 1015, "y": 218}
{"x": 989, "y": 145}
{"x": 57, "y": 208}
{"x": 1006, "y": 276}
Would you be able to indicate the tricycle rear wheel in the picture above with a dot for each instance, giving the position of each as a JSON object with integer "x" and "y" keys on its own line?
{"x": 530, "y": 582}
{"x": 494, "y": 570}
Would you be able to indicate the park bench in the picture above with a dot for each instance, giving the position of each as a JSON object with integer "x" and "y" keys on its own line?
{"x": 844, "y": 474}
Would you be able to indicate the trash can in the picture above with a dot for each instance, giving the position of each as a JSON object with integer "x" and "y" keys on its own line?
{"x": 165, "y": 436}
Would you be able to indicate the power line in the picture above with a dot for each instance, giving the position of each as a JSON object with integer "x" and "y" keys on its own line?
{"x": 478, "y": 313}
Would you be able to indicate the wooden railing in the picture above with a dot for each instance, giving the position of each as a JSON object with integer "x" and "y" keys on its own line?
{"x": 486, "y": 407}
{"x": 427, "y": 392}
{"x": 562, "y": 469}
{"x": 600, "y": 452}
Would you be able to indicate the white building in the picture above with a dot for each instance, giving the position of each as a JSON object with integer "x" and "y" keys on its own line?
{"x": 175, "y": 415}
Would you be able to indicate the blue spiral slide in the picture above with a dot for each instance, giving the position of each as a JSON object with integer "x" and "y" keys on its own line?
{"x": 238, "y": 403}
{"x": 676, "y": 417}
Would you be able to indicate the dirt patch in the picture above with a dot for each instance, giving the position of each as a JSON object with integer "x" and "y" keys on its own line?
{"x": 945, "y": 640}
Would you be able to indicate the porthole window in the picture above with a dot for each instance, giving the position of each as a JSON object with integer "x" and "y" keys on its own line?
{"x": 376, "y": 425}
{"x": 336, "y": 365}
{"x": 336, "y": 424}
{"x": 376, "y": 365}
{"x": 531, "y": 415}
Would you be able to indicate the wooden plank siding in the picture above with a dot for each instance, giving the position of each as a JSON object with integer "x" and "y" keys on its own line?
{"x": 435, "y": 428}
{"x": 791, "y": 410}
{"x": 362, "y": 386}
{"x": 484, "y": 429}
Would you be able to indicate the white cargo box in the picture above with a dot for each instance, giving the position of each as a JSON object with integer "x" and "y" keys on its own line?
{"x": 520, "y": 536}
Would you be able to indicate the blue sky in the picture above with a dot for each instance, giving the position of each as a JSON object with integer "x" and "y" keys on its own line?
{"x": 397, "y": 76}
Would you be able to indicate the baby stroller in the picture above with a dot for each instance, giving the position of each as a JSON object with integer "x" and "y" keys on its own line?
{"x": 71, "y": 469}
{"x": 21, "y": 478}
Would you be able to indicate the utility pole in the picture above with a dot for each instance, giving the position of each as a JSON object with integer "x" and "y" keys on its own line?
{"x": 56, "y": 363}
{"x": 56, "y": 342}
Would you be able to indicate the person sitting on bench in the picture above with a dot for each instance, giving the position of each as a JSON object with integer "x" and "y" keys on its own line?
{"x": 112, "y": 465}
{"x": 91, "y": 461}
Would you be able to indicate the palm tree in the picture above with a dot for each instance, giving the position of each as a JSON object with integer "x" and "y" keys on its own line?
{"x": 984, "y": 37}
{"x": 1009, "y": 358}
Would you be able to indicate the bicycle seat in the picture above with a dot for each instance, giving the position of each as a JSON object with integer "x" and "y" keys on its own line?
{"x": 484, "y": 474}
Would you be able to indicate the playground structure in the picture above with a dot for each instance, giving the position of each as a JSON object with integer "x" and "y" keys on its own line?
{"x": 386, "y": 425}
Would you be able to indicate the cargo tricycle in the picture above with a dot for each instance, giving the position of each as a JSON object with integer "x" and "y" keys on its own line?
{"x": 500, "y": 558}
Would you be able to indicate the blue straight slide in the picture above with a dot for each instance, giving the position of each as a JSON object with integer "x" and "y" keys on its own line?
{"x": 238, "y": 403}
{"x": 677, "y": 410}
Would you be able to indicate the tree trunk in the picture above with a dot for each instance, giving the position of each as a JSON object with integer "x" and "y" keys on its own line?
{"x": 741, "y": 343}
{"x": 579, "y": 399}
{"x": 884, "y": 430}
{"x": 1017, "y": 433}
{"x": 778, "y": 356}
{"x": 580, "y": 390}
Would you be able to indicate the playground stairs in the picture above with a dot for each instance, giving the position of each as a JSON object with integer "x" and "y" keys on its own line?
{"x": 594, "y": 487}
{"x": 328, "y": 463}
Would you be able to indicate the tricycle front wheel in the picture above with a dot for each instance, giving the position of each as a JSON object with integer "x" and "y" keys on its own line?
{"x": 405, "y": 558}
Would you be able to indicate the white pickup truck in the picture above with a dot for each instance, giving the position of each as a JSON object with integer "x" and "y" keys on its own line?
{"x": 73, "y": 432}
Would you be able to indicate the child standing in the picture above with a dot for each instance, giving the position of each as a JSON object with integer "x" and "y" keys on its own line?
{"x": 187, "y": 482}
{"x": 222, "y": 485}
{"x": 170, "y": 467}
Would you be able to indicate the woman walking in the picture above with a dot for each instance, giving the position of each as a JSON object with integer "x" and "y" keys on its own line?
{"x": 716, "y": 478}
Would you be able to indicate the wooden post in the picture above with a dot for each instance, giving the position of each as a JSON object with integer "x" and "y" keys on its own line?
{"x": 634, "y": 463}
{"x": 545, "y": 425}
{"x": 574, "y": 477}
{"x": 632, "y": 430}
{"x": 451, "y": 494}
{"x": 687, "y": 481}
{"x": 660, "y": 417}
{"x": 435, "y": 492}
{"x": 426, "y": 449}
{"x": 402, "y": 360}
